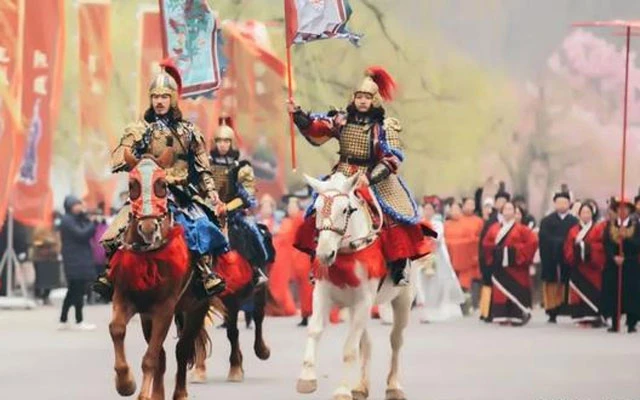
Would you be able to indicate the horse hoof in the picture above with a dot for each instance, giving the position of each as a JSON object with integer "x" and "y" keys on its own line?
{"x": 359, "y": 395}
{"x": 263, "y": 353}
{"x": 198, "y": 376}
{"x": 307, "y": 386}
{"x": 235, "y": 375}
{"x": 125, "y": 384}
{"x": 395, "y": 394}
{"x": 342, "y": 397}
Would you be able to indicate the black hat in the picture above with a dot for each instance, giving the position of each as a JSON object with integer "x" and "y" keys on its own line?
{"x": 502, "y": 192}
{"x": 300, "y": 194}
{"x": 616, "y": 202}
{"x": 563, "y": 193}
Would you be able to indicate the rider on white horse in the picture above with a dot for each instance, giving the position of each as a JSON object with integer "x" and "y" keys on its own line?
{"x": 370, "y": 143}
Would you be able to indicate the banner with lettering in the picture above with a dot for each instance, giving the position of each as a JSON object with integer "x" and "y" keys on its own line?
{"x": 42, "y": 52}
{"x": 10, "y": 40}
{"x": 150, "y": 53}
{"x": 94, "y": 19}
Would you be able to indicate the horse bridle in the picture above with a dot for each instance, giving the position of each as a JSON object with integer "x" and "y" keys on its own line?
{"x": 326, "y": 222}
{"x": 160, "y": 220}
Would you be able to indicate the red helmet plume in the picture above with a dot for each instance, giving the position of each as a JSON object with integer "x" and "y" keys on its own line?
{"x": 170, "y": 68}
{"x": 386, "y": 84}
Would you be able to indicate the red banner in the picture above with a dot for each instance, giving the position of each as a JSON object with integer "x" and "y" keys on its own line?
{"x": 10, "y": 42}
{"x": 150, "y": 54}
{"x": 41, "y": 90}
{"x": 94, "y": 18}
{"x": 252, "y": 95}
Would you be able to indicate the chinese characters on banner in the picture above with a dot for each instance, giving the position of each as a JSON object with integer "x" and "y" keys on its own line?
{"x": 95, "y": 72}
{"x": 42, "y": 52}
{"x": 150, "y": 54}
{"x": 10, "y": 42}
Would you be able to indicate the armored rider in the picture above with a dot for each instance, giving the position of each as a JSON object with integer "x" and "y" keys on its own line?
{"x": 236, "y": 184}
{"x": 370, "y": 143}
{"x": 193, "y": 195}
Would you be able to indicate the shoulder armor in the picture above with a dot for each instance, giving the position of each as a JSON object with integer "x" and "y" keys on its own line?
{"x": 135, "y": 130}
{"x": 245, "y": 172}
{"x": 391, "y": 124}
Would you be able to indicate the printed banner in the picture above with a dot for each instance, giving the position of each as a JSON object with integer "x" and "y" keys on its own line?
{"x": 189, "y": 37}
{"x": 10, "y": 124}
{"x": 94, "y": 19}
{"x": 42, "y": 52}
{"x": 309, "y": 20}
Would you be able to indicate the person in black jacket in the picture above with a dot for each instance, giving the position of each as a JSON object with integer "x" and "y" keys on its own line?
{"x": 554, "y": 229}
{"x": 76, "y": 231}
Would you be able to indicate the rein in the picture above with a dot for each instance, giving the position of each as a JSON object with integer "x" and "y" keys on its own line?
{"x": 145, "y": 248}
{"x": 348, "y": 245}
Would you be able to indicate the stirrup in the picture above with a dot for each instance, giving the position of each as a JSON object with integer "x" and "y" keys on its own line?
{"x": 103, "y": 287}
{"x": 213, "y": 285}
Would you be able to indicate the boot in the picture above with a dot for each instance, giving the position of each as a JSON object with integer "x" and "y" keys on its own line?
{"x": 304, "y": 321}
{"x": 400, "y": 272}
{"x": 259, "y": 278}
{"x": 103, "y": 286}
{"x": 210, "y": 283}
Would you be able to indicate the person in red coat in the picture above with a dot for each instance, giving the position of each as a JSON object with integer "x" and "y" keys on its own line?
{"x": 584, "y": 253}
{"x": 509, "y": 248}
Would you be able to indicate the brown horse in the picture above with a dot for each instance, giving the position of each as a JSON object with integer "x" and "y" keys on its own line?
{"x": 152, "y": 275}
{"x": 242, "y": 292}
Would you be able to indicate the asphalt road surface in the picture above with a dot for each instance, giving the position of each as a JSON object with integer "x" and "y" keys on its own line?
{"x": 463, "y": 359}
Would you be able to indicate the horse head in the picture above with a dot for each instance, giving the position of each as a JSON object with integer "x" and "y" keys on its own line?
{"x": 337, "y": 210}
{"x": 148, "y": 190}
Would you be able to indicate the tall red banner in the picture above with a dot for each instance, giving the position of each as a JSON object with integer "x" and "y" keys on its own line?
{"x": 94, "y": 18}
{"x": 42, "y": 55}
{"x": 150, "y": 54}
{"x": 10, "y": 42}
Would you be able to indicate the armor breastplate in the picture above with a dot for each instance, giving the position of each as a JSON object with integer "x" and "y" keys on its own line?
{"x": 220, "y": 167}
{"x": 178, "y": 173}
{"x": 355, "y": 143}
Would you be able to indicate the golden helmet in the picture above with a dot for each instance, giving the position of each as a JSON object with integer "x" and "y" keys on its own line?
{"x": 225, "y": 131}
{"x": 379, "y": 84}
{"x": 167, "y": 81}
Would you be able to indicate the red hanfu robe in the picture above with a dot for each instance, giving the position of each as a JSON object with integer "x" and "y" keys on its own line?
{"x": 584, "y": 253}
{"x": 510, "y": 251}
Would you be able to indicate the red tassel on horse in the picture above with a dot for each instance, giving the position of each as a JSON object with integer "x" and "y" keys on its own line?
{"x": 343, "y": 272}
{"x": 139, "y": 272}
{"x": 235, "y": 271}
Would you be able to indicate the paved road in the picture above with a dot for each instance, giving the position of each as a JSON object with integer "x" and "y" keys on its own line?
{"x": 463, "y": 359}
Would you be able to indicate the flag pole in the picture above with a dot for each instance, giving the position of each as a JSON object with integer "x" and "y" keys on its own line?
{"x": 291, "y": 127}
{"x": 623, "y": 167}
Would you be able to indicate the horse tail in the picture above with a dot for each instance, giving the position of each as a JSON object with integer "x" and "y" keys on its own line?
{"x": 202, "y": 347}
{"x": 202, "y": 341}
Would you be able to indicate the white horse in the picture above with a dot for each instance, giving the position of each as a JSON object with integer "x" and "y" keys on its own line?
{"x": 345, "y": 227}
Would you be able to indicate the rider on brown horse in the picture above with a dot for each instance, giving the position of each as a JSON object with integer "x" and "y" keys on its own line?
{"x": 192, "y": 193}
